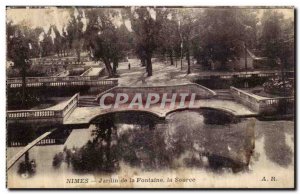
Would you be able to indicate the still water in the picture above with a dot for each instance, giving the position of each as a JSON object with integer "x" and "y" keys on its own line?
{"x": 202, "y": 140}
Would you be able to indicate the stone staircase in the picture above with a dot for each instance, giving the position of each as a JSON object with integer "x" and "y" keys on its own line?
{"x": 87, "y": 101}
{"x": 224, "y": 94}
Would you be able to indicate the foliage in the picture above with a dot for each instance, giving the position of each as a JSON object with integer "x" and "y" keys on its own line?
{"x": 75, "y": 33}
{"x": 277, "y": 37}
{"x": 208, "y": 35}
{"x": 146, "y": 23}
{"x": 105, "y": 40}
{"x": 279, "y": 87}
{"x": 223, "y": 34}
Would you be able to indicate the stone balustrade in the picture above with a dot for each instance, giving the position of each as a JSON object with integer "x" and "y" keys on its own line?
{"x": 60, "y": 81}
{"x": 261, "y": 105}
{"x": 44, "y": 114}
{"x": 231, "y": 75}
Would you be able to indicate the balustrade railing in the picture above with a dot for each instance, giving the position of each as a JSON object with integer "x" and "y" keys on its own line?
{"x": 36, "y": 114}
{"x": 60, "y": 81}
{"x": 72, "y": 103}
{"x": 258, "y": 103}
{"x": 245, "y": 75}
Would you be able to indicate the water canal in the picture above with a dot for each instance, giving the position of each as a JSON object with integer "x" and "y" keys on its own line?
{"x": 208, "y": 142}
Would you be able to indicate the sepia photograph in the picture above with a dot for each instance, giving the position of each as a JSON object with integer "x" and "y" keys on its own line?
{"x": 150, "y": 97}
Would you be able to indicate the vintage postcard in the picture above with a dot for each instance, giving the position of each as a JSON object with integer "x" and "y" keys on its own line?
{"x": 150, "y": 97}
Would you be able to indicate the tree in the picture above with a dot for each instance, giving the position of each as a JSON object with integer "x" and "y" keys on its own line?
{"x": 47, "y": 45}
{"x": 19, "y": 52}
{"x": 58, "y": 46}
{"x": 186, "y": 29}
{"x": 146, "y": 22}
{"x": 30, "y": 34}
{"x": 64, "y": 43}
{"x": 75, "y": 32}
{"x": 103, "y": 38}
{"x": 169, "y": 35}
{"x": 277, "y": 37}
{"x": 224, "y": 32}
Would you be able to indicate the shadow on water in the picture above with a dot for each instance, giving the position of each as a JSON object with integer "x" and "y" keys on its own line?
{"x": 184, "y": 139}
{"x": 20, "y": 134}
{"x": 275, "y": 141}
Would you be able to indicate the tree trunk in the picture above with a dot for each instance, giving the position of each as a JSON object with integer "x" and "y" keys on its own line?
{"x": 26, "y": 158}
{"x": 143, "y": 61}
{"x": 180, "y": 62}
{"x": 78, "y": 55}
{"x": 171, "y": 57}
{"x": 149, "y": 65}
{"x": 23, "y": 85}
{"x": 108, "y": 68}
{"x": 115, "y": 66}
{"x": 188, "y": 61}
{"x": 107, "y": 150}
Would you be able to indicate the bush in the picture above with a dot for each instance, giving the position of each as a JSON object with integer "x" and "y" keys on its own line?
{"x": 57, "y": 160}
{"x": 276, "y": 86}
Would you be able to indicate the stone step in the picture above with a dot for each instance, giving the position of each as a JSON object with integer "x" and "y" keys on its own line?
{"x": 225, "y": 98}
{"x": 87, "y": 105}
{"x": 87, "y": 97}
{"x": 224, "y": 95}
{"x": 87, "y": 101}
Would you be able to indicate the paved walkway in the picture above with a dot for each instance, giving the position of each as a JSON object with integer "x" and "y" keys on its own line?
{"x": 59, "y": 106}
{"x": 79, "y": 137}
{"x": 167, "y": 74}
{"x": 83, "y": 115}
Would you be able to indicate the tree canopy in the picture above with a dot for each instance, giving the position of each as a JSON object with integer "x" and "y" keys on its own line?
{"x": 205, "y": 34}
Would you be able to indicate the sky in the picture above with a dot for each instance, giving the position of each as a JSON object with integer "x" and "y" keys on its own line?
{"x": 44, "y": 17}
{"x": 39, "y": 17}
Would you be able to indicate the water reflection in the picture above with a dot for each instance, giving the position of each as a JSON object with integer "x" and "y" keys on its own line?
{"x": 184, "y": 139}
{"x": 276, "y": 142}
{"x": 27, "y": 168}
{"x": 20, "y": 134}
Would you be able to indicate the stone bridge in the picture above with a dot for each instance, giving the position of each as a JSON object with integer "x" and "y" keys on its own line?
{"x": 70, "y": 113}
{"x": 244, "y": 105}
